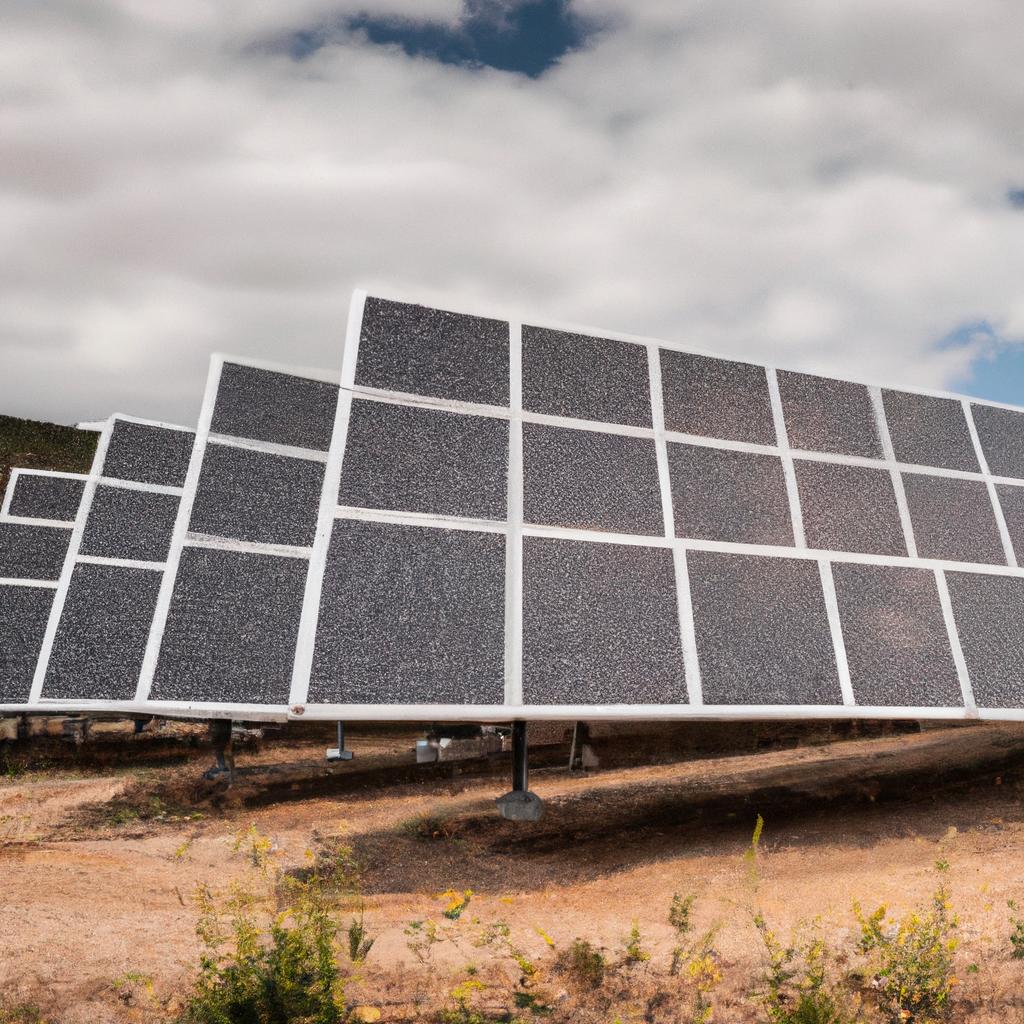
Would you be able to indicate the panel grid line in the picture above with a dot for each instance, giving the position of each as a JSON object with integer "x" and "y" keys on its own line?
{"x": 178, "y": 534}
{"x": 782, "y": 440}
{"x": 660, "y": 444}
{"x": 687, "y": 628}
{"x": 268, "y": 447}
{"x": 680, "y": 572}
{"x": 895, "y": 474}
{"x": 962, "y": 672}
{"x": 13, "y": 581}
{"x": 50, "y": 524}
{"x": 302, "y": 669}
{"x": 993, "y": 494}
{"x": 514, "y": 534}
{"x": 835, "y": 625}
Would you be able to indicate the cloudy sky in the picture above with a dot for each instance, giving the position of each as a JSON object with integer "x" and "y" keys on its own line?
{"x": 836, "y": 187}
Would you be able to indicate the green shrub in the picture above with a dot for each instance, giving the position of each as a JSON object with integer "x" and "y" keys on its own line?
{"x": 431, "y": 826}
{"x": 584, "y": 965}
{"x": 21, "y": 1014}
{"x": 285, "y": 974}
{"x": 635, "y": 952}
{"x": 1016, "y": 932}
{"x": 913, "y": 959}
{"x": 695, "y": 959}
{"x": 359, "y": 944}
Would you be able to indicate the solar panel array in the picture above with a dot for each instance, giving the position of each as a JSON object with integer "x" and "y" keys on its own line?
{"x": 491, "y": 519}
{"x": 36, "y": 518}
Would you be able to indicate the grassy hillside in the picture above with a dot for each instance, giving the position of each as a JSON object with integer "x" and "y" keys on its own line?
{"x": 31, "y": 445}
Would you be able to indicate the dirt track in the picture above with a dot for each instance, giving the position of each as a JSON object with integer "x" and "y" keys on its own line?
{"x": 98, "y": 871}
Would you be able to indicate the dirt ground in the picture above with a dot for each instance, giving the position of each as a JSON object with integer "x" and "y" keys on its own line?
{"x": 98, "y": 866}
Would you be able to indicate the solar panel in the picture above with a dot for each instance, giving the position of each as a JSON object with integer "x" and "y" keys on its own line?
{"x": 36, "y": 516}
{"x": 487, "y": 519}
{"x": 108, "y": 579}
{"x": 536, "y": 521}
{"x": 229, "y": 605}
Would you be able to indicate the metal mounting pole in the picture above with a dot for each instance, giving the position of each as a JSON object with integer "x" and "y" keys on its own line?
{"x": 520, "y": 758}
{"x": 520, "y": 804}
{"x": 220, "y": 737}
{"x": 339, "y": 753}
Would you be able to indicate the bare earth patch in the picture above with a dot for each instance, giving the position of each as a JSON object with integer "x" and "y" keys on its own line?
{"x": 97, "y": 921}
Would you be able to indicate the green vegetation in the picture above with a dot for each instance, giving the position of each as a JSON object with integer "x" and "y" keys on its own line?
{"x": 913, "y": 959}
{"x": 22, "y": 1013}
{"x": 1016, "y": 931}
{"x": 282, "y": 974}
{"x": 430, "y": 826}
{"x": 291, "y": 948}
{"x": 583, "y": 965}
{"x": 31, "y": 445}
{"x": 272, "y": 951}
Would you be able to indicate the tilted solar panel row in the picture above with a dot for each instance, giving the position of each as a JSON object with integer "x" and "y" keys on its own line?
{"x": 494, "y": 519}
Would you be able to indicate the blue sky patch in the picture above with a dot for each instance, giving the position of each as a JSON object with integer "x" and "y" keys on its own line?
{"x": 527, "y": 37}
{"x": 1015, "y": 197}
{"x": 997, "y": 372}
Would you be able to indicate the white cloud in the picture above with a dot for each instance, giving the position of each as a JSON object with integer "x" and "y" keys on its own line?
{"x": 821, "y": 186}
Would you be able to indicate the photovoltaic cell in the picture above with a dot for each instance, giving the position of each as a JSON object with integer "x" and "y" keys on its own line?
{"x": 40, "y": 496}
{"x": 929, "y": 431}
{"x": 433, "y": 352}
{"x": 590, "y": 480}
{"x": 849, "y": 508}
{"x": 1011, "y": 501}
{"x": 896, "y": 642}
{"x": 953, "y": 519}
{"x": 1001, "y": 432}
{"x": 101, "y": 637}
{"x": 23, "y": 615}
{"x": 826, "y": 415}
{"x": 585, "y": 378}
{"x": 716, "y": 398}
{"x": 425, "y": 460}
{"x": 231, "y": 629}
{"x": 719, "y": 494}
{"x": 600, "y": 625}
{"x": 277, "y": 407}
{"x": 762, "y": 630}
{"x": 129, "y": 524}
{"x": 257, "y": 496}
{"x": 148, "y": 454}
{"x": 32, "y": 552}
{"x": 411, "y": 615}
{"x": 989, "y": 613}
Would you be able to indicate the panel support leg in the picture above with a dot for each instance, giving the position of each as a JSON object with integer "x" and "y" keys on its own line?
{"x": 520, "y": 804}
{"x": 220, "y": 737}
{"x": 339, "y": 753}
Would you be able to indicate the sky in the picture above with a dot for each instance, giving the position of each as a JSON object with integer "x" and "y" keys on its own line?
{"x": 836, "y": 188}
